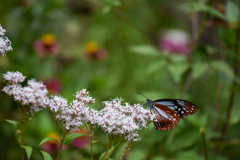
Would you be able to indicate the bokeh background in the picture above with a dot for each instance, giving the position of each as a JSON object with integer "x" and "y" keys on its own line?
{"x": 114, "y": 48}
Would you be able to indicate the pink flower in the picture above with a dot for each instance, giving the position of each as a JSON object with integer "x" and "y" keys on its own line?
{"x": 47, "y": 46}
{"x": 175, "y": 41}
{"x": 53, "y": 85}
{"x": 83, "y": 141}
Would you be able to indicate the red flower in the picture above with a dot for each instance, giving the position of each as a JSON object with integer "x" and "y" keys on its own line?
{"x": 53, "y": 85}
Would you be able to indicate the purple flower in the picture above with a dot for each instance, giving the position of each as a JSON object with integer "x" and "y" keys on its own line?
{"x": 175, "y": 41}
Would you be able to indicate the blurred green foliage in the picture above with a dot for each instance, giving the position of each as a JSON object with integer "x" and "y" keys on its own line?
{"x": 129, "y": 31}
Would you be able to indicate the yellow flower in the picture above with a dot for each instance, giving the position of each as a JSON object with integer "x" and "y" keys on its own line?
{"x": 54, "y": 135}
{"x": 48, "y": 39}
{"x": 91, "y": 47}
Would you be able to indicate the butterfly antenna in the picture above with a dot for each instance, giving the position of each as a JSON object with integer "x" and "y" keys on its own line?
{"x": 142, "y": 94}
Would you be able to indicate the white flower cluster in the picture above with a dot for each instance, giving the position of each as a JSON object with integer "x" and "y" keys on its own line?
{"x": 115, "y": 119}
{"x": 77, "y": 113}
{"x": 31, "y": 95}
{"x": 118, "y": 119}
{"x": 14, "y": 77}
{"x": 5, "y": 43}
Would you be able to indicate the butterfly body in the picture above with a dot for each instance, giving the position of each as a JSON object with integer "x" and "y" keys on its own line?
{"x": 170, "y": 111}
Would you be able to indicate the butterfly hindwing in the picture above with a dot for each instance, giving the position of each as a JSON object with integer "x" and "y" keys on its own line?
{"x": 167, "y": 118}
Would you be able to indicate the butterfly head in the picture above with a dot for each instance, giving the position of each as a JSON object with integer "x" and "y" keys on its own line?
{"x": 150, "y": 104}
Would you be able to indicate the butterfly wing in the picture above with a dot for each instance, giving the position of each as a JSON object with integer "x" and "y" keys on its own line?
{"x": 181, "y": 107}
{"x": 167, "y": 118}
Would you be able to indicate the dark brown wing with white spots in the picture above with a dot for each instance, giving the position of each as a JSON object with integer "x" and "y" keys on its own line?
{"x": 167, "y": 118}
{"x": 181, "y": 107}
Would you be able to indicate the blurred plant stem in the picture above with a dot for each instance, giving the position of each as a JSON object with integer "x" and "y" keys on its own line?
{"x": 65, "y": 133}
{"x": 91, "y": 137}
{"x": 24, "y": 123}
{"x": 195, "y": 41}
{"x": 127, "y": 148}
{"x": 204, "y": 143}
{"x": 234, "y": 84}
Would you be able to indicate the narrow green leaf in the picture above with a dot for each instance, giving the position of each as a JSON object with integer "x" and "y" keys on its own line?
{"x": 232, "y": 10}
{"x": 144, "y": 49}
{"x": 15, "y": 123}
{"x": 47, "y": 139}
{"x": 46, "y": 156}
{"x": 71, "y": 137}
{"x": 28, "y": 150}
{"x": 94, "y": 141}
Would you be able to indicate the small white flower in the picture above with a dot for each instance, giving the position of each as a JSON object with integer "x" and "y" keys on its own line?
{"x": 14, "y": 77}
{"x": 5, "y": 43}
{"x": 118, "y": 119}
{"x": 31, "y": 95}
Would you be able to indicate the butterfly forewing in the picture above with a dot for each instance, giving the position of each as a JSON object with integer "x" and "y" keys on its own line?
{"x": 181, "y": 107}
{"x": 166, "y": 118}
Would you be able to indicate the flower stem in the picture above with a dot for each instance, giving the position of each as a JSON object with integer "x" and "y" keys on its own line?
{"x": 127, "y": 147}
{"x": 108, "y": 147}
{"x": 115, "y": 146}
{"x": 204, "y": 142}
{"x": 61, "y": 143}
{"x": 91, "y": 136}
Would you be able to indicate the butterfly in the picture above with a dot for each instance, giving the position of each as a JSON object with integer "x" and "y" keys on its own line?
{"x": 170, "y": 111}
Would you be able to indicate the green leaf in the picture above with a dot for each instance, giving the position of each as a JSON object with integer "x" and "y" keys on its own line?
{"x": 156, "y": 66}
{"x": 216, "y": 13}
{"x": 71, "y": 137}
{"x": 106, "y": 9}
{"x": 137, "y": 154}
{"x": 159, "y": 158}
{"x": 47, "y": 139}
{"x": 198, "y": 120}
{"x": 232, "y": 11}
{"x": 224, "y": 68}
{"x": 196, "y": 6}
{"x": 199, "y": 6}
{"x": 199, "y": 68}
{"x": 183, "y": 140}
{"x": 100, "y": 158}
{"x": 177, "y": 71}
{"x": 28, "y": 150}
{"x": 46, "y": 156}
{"x": 145, "y": 50}
{"x": 94, "y": 141}
{"x": 15, "y": 123}
{"x": 189, "y": 155}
